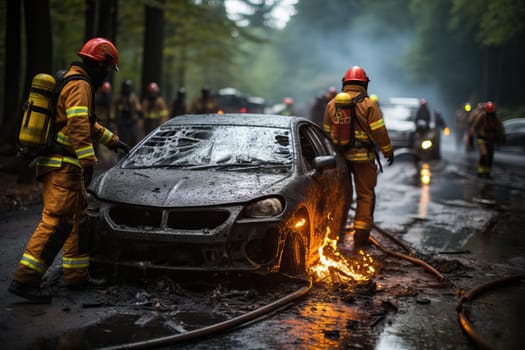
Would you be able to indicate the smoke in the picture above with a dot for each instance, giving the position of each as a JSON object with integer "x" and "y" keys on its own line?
{"x": 381, "y": 50}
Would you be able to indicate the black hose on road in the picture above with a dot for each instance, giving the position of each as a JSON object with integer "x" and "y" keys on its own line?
{"x": 408, "y": 258}
{"x": 469, "y": 296}
{"x": 217, "y": 327}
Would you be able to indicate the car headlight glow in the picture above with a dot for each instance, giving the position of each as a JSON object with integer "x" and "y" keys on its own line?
{"x": 264, "y": 208}
{"x": 426, "y": 144}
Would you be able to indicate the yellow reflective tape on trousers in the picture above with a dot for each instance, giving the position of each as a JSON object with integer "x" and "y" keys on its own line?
{"x": 377, "y": 124}
{"x": 85, "y": 152}
{"x": 361, "y": 225}
{"x": 386, "y": 148}
{"x": 33, "y": 263}
{"x": 360, "y": 157}
{"x": 75, "y": 263}
{"x": 76, "y": 111}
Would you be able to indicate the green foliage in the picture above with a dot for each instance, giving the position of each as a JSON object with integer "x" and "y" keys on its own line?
{"x": 494, "y": 22}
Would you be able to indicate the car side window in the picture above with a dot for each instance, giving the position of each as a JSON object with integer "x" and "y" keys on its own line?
{"x": 311, "y": 146}
{"x": 326, "y": 145}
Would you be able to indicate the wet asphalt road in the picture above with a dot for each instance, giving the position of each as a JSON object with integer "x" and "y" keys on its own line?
{"x": 471, "y": 230}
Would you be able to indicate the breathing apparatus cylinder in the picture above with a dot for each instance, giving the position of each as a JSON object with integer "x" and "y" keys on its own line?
{"x": 341, "y": 121}
{"x": 36, "y": 121}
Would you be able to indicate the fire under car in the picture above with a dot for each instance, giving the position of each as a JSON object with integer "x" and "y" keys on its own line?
{"x": 220, "y": 193}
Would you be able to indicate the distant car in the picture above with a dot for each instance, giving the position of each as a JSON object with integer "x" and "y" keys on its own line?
{"x": 399, "y": 114}
{"x": 514, "y": 132}
{"x": 399, "y": 121}
{"x": 230, "y": 192}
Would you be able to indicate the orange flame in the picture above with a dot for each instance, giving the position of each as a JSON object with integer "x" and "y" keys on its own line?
{"x": 359, "y": 269}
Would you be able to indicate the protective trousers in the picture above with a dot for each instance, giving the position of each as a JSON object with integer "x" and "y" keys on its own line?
{"x": 64, "y": 206}
{"x": 486, "y": 156}
{"x": 365, "y": 180}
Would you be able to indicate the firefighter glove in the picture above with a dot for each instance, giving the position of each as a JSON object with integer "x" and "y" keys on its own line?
{"x": 87, "y": 175}
{"x": 390, "y": 160}
{"x": 121, "y": 147}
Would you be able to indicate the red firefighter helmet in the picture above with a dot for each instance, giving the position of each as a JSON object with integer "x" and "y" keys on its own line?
{"x": 356, "y": 73}
{"x": 288, "y": 101}
{"x": 100, "y": 50}
{"x": 490, "y": 107}
{"x": 106, "y": 87}
{"x": 153, "y": 88}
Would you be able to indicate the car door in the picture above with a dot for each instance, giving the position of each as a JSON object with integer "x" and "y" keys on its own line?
{"x": 325, "y": 185}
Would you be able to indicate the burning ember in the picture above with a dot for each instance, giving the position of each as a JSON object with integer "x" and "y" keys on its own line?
{"x": 333, "y": 264}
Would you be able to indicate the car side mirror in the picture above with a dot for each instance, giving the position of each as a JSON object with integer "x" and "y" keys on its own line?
{"x": 323, "y": 162}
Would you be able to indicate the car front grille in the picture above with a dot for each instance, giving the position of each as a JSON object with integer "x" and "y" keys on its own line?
{"x": 141, "y": 217}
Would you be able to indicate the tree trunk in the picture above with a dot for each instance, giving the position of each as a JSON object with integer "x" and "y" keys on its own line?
{"x": 89, "y": 19}
{"x": 153, "y": 42}
{"x": 12, "y": 76}
{"x": 107, "y": 23}
{"x": 39, "y": 52}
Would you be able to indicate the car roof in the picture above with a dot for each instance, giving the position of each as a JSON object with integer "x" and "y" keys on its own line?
{"x": 248, "y": 119}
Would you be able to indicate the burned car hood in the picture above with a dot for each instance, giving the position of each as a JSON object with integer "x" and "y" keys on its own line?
{"x": 179, "y": 188}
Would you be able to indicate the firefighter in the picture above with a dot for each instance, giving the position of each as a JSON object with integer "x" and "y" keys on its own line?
{"x": 288, "y": 107}
{"x": 104, "y": 100}
{"x": 366, "y": 131}
{"x": 460, "y": 123}
{"x": 65, "y": 174}
{"x": 179, "y": 104}
{"x": 127, "y": 114}
{"x": 489, "y": 132}
{"x": 422, "y": 119}
{"x": 204, "y": 103}
{"x": 317, "y": 110}
{"x": 154, "y": 107}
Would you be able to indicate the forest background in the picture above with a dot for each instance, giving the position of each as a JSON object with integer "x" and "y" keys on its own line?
{"x": 447, "y": 51}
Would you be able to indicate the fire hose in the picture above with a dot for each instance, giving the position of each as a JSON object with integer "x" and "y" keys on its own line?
{"x": 469, "y": 296}
{"x": 408, "y": 257}
{"x": 217, "y": 327}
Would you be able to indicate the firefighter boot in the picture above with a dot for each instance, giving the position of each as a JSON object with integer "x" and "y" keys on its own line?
{"x": 29, "y": 292}
{"x": 361, "y": 239}
{"x": 90, "y": 283}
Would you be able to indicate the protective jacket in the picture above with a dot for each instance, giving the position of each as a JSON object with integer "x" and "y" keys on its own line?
{"x": 155, "y": 112}
{"x": 75, "y": 127}
{"x": 368, "y": 129}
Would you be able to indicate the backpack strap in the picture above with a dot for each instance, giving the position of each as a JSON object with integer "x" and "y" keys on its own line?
{"x": 356, "y": 100}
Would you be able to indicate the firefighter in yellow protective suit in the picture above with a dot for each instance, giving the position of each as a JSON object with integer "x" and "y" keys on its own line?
{"x": 154, "y": 108}
{"x": 64, "y": 174}
{"x": 364, "y": 131}
{"x": 489, "y": 132}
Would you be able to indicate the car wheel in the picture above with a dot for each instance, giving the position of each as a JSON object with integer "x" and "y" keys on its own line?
{"x": 293, "y": 261}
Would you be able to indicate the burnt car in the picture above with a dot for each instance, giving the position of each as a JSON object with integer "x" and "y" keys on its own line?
{"x": 221, "y": 193}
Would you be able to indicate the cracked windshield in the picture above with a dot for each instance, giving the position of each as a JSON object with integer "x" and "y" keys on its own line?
{"x": 199, "y": 147}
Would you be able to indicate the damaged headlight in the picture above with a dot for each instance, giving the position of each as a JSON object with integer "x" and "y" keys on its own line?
{"x": 93, "y": 204}
{"x": 264, "y": 208}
